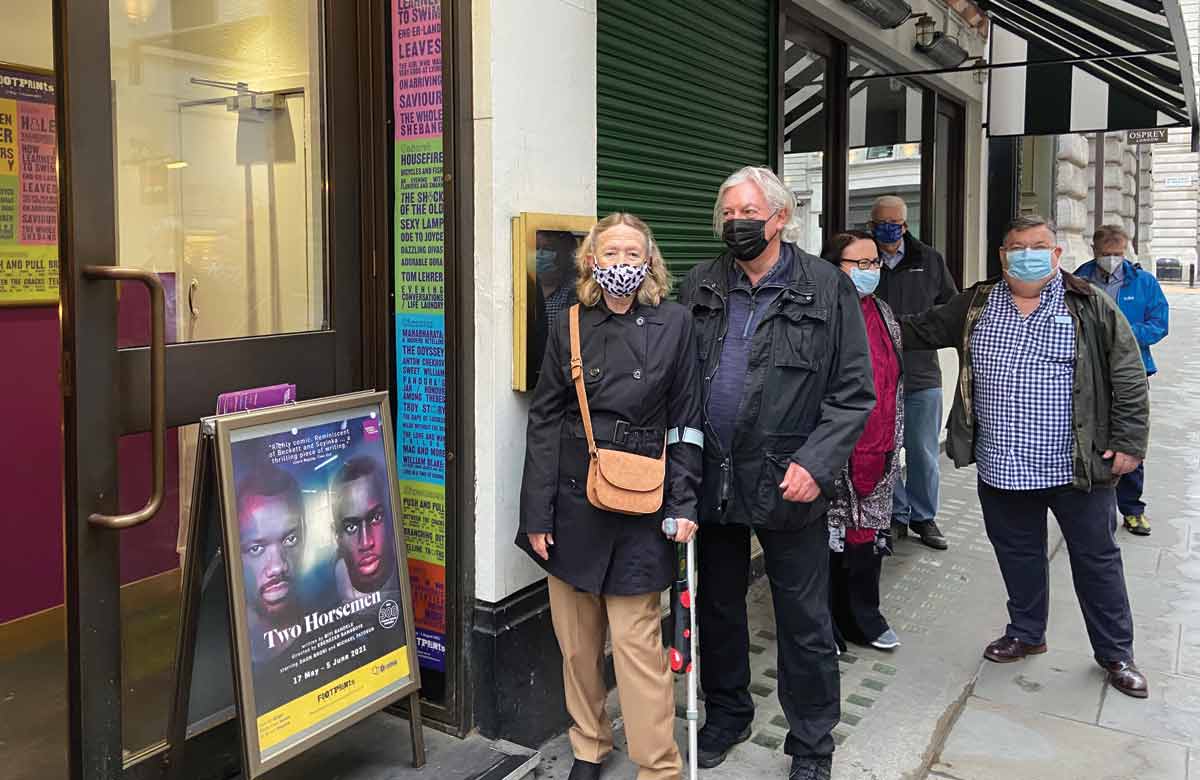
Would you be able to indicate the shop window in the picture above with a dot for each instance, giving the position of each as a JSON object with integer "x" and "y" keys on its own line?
{"x": 884, "y": 157}
{"x": 806, "y": 70}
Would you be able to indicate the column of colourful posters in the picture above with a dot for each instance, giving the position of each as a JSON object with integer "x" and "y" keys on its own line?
{"x": 420, "y": 315}
{"x": 28, "y": 189}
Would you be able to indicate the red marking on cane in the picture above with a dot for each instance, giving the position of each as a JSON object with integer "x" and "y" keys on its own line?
{"x": 676, "y": 660}
{"x": 685, "y": 599}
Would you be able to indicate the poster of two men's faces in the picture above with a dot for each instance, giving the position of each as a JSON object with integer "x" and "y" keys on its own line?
{"x": 319, "y": 580}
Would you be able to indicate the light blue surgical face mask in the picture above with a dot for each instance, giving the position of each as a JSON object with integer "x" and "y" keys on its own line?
{"x": 1030, "y": 265}
{"x": 546, "y": 261}
{"x": 864, "y": 281}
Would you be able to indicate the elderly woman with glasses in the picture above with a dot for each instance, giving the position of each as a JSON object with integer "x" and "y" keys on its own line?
{"x": 607, "y": 570}
{"x": 861, "y": 508}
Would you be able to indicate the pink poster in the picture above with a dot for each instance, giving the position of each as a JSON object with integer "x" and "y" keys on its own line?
{"x": 417, "y": 58}
{"x": 39, "y": 174}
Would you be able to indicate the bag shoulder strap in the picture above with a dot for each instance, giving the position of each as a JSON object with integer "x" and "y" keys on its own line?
{"x": 577, "y": 378}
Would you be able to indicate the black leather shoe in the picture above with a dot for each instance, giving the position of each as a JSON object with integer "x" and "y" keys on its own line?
{"x": 899, "y": 529}
{"x": 711, "y": 751}
{"x": 1005, "y": 650}
{"x": 931, "y": 535}
{"x": 1126, "y": 678}
{"x": 585, "y": 770}
{"x": 811, "y": 769}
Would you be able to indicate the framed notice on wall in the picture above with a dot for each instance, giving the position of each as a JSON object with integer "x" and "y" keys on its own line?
{"x": 318, "y": 579}
{"x": 28, "y": 188}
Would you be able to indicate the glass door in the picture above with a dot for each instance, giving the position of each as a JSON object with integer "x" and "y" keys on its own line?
{"x": 209, "y": 195}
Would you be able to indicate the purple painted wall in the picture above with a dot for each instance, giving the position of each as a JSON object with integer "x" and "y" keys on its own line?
{"x": 31, "y": 460}
{"x": 31, "y": 576}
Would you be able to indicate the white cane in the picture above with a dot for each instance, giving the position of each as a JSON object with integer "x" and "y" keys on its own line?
{"x": 693, "y": 711}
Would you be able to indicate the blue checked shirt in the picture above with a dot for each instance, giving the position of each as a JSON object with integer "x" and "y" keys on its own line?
{"x": 1024, "y": 371}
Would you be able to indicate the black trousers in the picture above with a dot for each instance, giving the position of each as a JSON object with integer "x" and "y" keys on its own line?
{"x": 797, "y": 565}
{"x": 1016, "y": 525}
{"x": 854, "y": 590}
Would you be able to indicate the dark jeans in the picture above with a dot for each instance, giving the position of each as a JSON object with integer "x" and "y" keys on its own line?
{"x": 854, "y": 578}
{"x": 797, "y": 565}
{"x": 1129, "y": 492}
{"x": 1016, "y": 525}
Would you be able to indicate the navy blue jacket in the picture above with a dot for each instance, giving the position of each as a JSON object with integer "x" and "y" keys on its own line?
{"x": 1142, "y": 302}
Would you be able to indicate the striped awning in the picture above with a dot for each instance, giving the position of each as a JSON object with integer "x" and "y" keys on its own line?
{"x": 1077, "y": 66}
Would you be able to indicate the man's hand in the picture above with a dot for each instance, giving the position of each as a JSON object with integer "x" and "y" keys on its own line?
{"x": 1122, "y": 464}
{"x": 541, "y": 544}
{"x": 798, "y": 485}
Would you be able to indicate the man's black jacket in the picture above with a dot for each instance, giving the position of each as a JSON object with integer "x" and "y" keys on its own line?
{"x": 918, "y": 283}
{"x": 808, "y": 391}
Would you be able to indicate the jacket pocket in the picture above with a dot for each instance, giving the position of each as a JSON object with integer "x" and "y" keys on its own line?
{"x": 800, "y": 336}
{"x": 780, "y": 513}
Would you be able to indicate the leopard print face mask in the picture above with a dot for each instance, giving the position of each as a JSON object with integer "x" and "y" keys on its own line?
{"x": 620, "y": 281}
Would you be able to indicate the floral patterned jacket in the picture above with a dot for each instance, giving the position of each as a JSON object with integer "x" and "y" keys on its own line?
{"x": 847, "y": 509}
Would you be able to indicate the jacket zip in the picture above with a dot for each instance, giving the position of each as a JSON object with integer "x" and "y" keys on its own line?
{"x": 704, "y": 397}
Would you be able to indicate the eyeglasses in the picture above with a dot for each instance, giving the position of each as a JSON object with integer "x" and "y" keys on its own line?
{"x": 1021, "y": 248}
{"x": 866, "y": 265}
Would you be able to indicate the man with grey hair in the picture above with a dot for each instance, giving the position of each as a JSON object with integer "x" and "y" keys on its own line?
{"x": 914, "y": 279}
{"x": 1141, "y": 300}
{"x": 1053, "y": 409}
{"x": 787, "y": 389}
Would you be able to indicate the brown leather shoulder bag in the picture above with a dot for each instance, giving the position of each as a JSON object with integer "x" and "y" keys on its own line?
{"x": 617, "y": 481}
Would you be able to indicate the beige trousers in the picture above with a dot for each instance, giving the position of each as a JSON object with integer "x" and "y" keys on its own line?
{"x": 644, "y": 683}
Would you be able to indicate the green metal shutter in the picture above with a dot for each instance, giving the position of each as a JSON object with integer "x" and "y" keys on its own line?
{"x": 683, "y": 100}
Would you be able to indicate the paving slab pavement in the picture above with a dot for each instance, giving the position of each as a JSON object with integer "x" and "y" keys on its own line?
{"x": 934, "y": 709}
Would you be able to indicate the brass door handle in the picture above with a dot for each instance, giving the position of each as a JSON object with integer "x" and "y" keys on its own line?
{"x": 158, "y": 394}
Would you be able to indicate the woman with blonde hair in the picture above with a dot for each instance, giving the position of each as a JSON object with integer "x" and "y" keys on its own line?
{"x": 608, "y": 569}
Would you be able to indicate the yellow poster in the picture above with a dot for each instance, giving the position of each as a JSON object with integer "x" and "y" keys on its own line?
{"x": 28, "y": 189}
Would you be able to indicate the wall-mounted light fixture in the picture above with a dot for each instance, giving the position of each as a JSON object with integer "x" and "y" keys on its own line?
{"x": 944, "y": 50}
{"x": 926, "y": 29}
{"x": 888, "y": 14}
{"x": 981, "y": 71}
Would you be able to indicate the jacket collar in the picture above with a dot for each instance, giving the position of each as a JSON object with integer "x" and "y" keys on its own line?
{"x": 1071, "y": 282}
{"x": 1091, "y": 269}
{"x": 719, "y": 272}
{"x": 600, "y": 313}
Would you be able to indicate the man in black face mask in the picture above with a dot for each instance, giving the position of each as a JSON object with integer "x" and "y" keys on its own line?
{"x": 787, "y": 391}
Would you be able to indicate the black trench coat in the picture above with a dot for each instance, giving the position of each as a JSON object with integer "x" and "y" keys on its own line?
{"x": 642, "y": 382}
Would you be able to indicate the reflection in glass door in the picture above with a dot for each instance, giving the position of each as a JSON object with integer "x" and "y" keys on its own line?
{"x": 884, "y": 157}
{"x": 218, "y": 192}
{"x": 805, "y": 131}
{"x": 250, "y": 261}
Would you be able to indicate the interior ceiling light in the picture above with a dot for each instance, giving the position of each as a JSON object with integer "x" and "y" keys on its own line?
{"x": 888, "y": 14}
{"x": 139, "y": 11}
{"x": 944, "y": 50}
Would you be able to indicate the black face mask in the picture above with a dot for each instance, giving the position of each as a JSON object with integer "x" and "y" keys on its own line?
{"x": 746, "y": 238}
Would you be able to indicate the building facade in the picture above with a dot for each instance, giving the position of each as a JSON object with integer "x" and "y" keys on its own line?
{"x": 334, "y": 194}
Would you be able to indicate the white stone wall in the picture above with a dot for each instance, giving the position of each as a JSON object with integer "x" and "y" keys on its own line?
{"x": 1174, "y": 233}
{"x": 535, "y": 150}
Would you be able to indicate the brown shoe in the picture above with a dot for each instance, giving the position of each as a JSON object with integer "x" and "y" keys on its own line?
{"x": 1126, "y": 678}
{"x": 1005, "y": 650}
